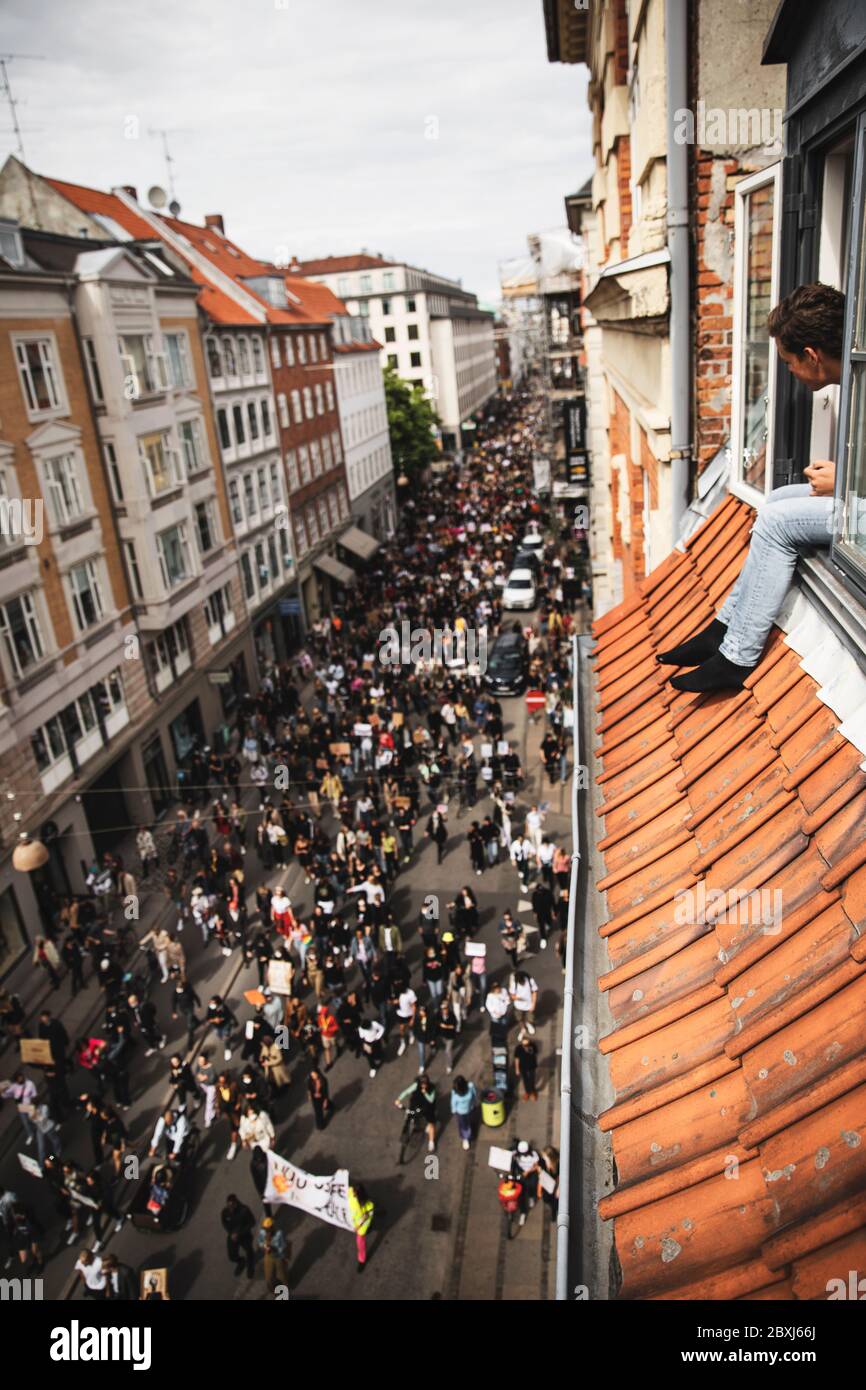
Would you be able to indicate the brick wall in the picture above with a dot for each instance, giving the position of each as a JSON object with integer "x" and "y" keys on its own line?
{"x": 17, "y": 427}
{"x": 623, "y": 179}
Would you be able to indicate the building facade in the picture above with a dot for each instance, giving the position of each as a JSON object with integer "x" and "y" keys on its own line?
{"x": 431, "y": 330}
{"x": 683, "y": 113}
{"x": 110, "y": 632}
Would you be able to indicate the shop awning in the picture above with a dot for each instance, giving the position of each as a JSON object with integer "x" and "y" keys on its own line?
{"x": 359, "y": 542}
{"x": 335, "y": 568}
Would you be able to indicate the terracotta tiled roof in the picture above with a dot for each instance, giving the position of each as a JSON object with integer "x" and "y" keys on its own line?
{"x": 331, "y": 265}
{"x": 234, "y": 262}
{"x": 108, "y": 204}
{"x": 738, "y": 1055}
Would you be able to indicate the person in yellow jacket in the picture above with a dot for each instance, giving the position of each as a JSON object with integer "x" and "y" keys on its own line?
{"x": 332, "y": 789}
{"x": 361, "y": 1211}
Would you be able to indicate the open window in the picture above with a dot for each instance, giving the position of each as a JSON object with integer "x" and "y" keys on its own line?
{"x": 849, "y": 540}
{"x": 756, "y": 274}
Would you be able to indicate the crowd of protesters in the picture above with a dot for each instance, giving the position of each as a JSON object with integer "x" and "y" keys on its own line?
{"x": 351, "y": 760}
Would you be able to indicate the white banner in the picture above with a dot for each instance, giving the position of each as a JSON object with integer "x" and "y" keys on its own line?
{"x": 327, "y": 1198}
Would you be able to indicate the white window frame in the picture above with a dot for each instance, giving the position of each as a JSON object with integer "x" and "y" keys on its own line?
{"x": 770, "y": 175}
{"x": 210, "y": 510}
{"x": 55, "y": 489}
{"x": 50, "y": 364}
{"x": 283, "y": 409}
{"x": 289, "y": 350}
{"x": 258, "y": 353}
{"x": 199, "y": 461}
{"x": 94, "y": 587}
{"x": 30, "y": 611}
{"x": 91, "y": 364}
{"x": 236, "y": 501}
{"x": 185, "y": 361}
{"x": 173, "y": 461}
{"x": 292, "y": 471}
{"x": 189, "y": 573}
{"x": 297, "y": 408}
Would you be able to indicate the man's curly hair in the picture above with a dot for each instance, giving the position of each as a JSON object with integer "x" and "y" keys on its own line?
{"x": 810, "y": 316}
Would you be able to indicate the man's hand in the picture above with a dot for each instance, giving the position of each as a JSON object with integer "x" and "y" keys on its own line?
{"x": 822, "y": 475}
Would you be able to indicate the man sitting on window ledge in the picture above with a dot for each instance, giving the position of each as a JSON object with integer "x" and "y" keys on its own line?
{"x": 807, "y": 327}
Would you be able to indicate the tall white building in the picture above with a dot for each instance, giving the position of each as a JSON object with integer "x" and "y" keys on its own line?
{"x": 430, "y": 328}
{"x": 360, "y": 393}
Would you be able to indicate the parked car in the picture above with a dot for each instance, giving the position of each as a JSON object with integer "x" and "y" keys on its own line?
{"x": 520, "y": 591}
{"x": 534, "y": 542}
{"x": 506, "y": 664}
{"x": 527, "y": 560}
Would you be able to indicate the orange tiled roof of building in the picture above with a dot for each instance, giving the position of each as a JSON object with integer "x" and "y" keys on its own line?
{"x": 738, "y": 1056}
{"x": 233, "y": 261}
{"x": 331, "y": 265}
{"x": 93, "y": 200}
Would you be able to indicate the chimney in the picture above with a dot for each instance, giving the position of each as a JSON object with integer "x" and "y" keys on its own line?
{"x": 130, "y": 189}
{"x": 294, "y": 266}
{"x": 215, "y": 220}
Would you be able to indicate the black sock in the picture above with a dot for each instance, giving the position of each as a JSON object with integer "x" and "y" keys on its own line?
{"x": 715, "y": 674}
{"x": 697, "y": 649}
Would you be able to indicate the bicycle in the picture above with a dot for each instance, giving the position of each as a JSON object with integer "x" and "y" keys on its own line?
{"x": 411, "y": 1135}
{"x": 509, "y": 1193}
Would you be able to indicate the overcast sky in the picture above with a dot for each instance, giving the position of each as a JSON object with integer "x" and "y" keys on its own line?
{"x": 305, "y": 122}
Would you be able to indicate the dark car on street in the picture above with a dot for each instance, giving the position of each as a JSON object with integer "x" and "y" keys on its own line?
{"x": 506, "y": 664}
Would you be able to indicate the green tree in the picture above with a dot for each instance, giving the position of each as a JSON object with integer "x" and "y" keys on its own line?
{"x": 411, "y": 422}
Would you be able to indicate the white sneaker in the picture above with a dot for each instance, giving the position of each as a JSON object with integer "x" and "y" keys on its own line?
{"x": 431, "y": 1146}
{"x": 372, "y": 1071}
{"x": 530, "y": 1028}
{"x": 149, "y": 1051}
{"x": 29, "y": 1141}
{"x": 228, "y": 1054}
{"x": 162, "y": 1045}
{"x": 420, "y": 1071}
{"x": 227, "y": 950}
{"x": 466, "y": 1143}
{"x": 118, "y": 1225}
{"x": 544, "y": 943}
{"x": 71, "y": 1238}
{"x": 400, "y": 1050}
{"x": 97, "y": 1246}
{"x": 523, "y": 1218}
{"x": 233, "y": 1148}
{"x": 449, "y": 1070}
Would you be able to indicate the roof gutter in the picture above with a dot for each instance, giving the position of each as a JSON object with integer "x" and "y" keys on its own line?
{"x": 676, "y": 64}
{"x": 563, "y": 1216}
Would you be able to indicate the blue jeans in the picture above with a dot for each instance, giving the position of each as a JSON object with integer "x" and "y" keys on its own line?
{"x": 790, "y": 519}
{"x": 435, "y": 987}
{"x": 492, "y": 851}
{"x": 464, "y": 1125}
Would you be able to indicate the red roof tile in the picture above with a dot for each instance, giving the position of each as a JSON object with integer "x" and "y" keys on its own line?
{"x": 330, "y": 265}
{"x": 732, "y": 837}
{"x": 107, "y": 204}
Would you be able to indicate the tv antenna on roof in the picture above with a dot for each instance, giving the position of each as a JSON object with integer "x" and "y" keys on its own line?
{"x": 169, "y": 161}
{"x": 6, "y": 91}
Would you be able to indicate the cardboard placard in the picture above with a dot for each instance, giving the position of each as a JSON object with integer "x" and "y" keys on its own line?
{"x": 154, "y": 1284}
{"x": 397, "y": 720}
{"x": 500, "y": 1158}
{"x": 547, "y": 1181}
{"x": 36, "y": 1052}
{"x": 340, "y": 750}
{"x": 402, "y": 802}
{"x": 502, "y": 747}
{"x": 280, "y": 976}
{"x": 487, "y": 750}
{"x": 475, "y": 948}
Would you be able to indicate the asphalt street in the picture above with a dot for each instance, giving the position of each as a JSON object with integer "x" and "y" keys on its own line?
{"x": 438, "y": 1231}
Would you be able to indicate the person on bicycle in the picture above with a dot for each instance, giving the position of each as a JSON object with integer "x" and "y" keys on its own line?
{"x": 525, "y": 1161}
{"x": 420, "y": 1099}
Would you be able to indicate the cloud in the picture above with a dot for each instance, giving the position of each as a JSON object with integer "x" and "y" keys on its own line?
{"x": 307, "y": 124}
